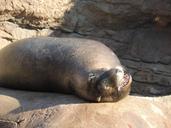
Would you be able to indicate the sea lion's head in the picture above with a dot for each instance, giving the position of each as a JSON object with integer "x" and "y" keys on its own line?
{"x": 113, "y": 85}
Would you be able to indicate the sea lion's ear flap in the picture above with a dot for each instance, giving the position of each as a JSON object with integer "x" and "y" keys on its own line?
{"x": 92, "y": 78}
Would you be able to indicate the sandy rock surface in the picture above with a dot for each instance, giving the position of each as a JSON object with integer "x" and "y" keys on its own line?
{"x": 47, "y": 110}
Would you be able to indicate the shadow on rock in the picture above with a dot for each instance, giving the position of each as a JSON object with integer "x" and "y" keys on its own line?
{"x": 26, "y": 101}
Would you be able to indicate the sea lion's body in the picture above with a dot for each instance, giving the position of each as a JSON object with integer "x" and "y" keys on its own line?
{"x": 58, "y": 65}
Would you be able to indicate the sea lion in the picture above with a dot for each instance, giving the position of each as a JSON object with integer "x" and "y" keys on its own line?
{"x": 84, "y": 67}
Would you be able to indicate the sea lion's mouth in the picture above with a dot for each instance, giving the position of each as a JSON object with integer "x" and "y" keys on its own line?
{"x": 125, "y": 81}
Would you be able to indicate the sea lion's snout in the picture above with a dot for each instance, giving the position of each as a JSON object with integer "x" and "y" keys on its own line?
{"x": 106, "y": 83}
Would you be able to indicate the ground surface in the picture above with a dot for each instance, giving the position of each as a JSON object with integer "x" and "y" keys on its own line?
{"x": 44, "y": 110}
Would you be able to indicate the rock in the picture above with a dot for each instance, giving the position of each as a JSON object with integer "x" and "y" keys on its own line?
{"x": 46, "y": 110}
{"x": 34, "y": 13}
{"x": 7, "y": 124}
{"x": 147, "y": 45}
{"x": 5, "y": 43}
{"x": 13, "y": 32}
{"x": 76, "y": 15}
{"x": 149, "y": 58}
